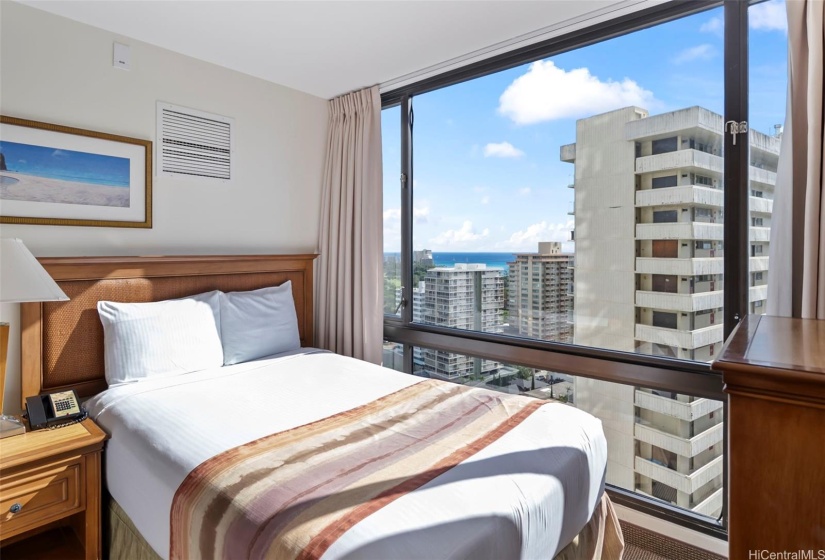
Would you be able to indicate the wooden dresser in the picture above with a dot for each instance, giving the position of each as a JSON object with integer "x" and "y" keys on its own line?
{"x": 774, "y": 374}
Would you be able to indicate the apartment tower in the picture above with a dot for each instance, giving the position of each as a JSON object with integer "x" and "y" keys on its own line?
{"x": 648, "y": 279}
{"x": 540, "y": 299}
{"x": 464, "y": 296}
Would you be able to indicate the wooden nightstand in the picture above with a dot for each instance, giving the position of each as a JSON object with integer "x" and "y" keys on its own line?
{"x": 49, "y": 479}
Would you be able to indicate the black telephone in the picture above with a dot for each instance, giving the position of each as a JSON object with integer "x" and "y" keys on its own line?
{"x": 53, "y": 409}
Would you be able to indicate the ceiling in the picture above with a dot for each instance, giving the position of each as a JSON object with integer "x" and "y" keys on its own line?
{"x": 324, "y": 48}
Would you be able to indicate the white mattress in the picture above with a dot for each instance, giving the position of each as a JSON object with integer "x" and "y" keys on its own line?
{"x": 548, "y": 477}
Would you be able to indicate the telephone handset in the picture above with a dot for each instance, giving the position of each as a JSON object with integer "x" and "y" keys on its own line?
{"x": 53, "y": 409}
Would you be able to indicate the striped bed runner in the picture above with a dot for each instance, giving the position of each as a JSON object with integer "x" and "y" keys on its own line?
{"x": 293, "y": 493}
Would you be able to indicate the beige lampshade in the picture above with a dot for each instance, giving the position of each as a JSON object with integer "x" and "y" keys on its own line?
{"x": 22, "y": 278}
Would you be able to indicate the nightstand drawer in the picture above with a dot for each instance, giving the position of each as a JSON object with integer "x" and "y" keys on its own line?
{"x": 41, "y": 495}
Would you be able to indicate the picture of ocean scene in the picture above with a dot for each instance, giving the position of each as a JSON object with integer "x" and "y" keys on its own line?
{"x": 33, "y": 173}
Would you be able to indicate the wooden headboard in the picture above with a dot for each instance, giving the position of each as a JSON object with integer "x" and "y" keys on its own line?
{"x": 62, "y": 342}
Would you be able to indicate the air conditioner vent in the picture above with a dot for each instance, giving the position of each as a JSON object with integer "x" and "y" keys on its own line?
{"x": 193, "y": 144}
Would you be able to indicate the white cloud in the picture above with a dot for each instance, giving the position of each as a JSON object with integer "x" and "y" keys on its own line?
{"x": 421, "y": 214}
{"x": 713, "y": 25}
{"x": 502, "y": 149}
{"x": 527, "y": 239}
{"x": 525, "y": 191}
{"x": 392, "y": 230}
{"x": 547, "y": 92}
{"x": 485, "y": 199}
{"x": 392, "y": 224}
{"x": 458, "y": 238}
{"x": 705, "y": 51}
{"x": 768, "y": 16}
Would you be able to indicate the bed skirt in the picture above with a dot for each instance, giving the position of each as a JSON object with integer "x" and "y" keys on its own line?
{"x": 601, "y": 538}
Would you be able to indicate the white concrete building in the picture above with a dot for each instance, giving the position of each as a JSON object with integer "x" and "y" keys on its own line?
{"x": 540, "y": 300}
{"x": 465, "y": 296}
{"x": 648, "y": 278}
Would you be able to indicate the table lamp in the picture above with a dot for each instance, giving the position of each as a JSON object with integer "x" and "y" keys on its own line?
{"x": 22, "y": 279}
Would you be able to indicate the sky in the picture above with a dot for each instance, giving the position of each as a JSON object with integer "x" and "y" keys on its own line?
{"x": 487, "y": 174}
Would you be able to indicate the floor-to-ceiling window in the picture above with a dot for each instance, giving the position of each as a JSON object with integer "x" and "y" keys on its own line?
{"x": 561, "y": 230}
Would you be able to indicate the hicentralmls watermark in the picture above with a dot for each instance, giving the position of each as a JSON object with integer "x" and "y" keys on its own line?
{"x": 786, "y": 555}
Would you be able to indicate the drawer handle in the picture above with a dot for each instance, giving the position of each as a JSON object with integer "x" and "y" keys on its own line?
{"x": 15, "y": 508}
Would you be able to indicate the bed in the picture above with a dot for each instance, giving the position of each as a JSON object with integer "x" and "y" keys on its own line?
{"x": 309, "y": 454}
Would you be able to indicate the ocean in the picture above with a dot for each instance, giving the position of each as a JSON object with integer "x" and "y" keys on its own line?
{"x": 492, "y": 260}
{"x": 66, "y": 165}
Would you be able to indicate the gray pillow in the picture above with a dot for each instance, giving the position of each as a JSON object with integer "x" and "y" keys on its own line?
{"x": 258, "y": 323}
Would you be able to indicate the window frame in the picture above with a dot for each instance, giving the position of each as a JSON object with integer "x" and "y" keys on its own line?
{"x": 655, "y": 372}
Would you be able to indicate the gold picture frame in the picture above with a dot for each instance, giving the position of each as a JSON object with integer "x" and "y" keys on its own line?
{"x": 63, "y": 176}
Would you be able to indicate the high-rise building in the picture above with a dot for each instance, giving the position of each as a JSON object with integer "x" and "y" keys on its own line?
{"x": 540, "y": 302}
{"x": 392, "y": 280}
{"x": 464, "y": 296}
{"x": 648, "y": 278}
{"x": 423, "y": 257}
{"x": 418, "y": 306}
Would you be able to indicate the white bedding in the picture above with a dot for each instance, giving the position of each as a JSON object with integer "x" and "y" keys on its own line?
{"x": 533, "y": 503}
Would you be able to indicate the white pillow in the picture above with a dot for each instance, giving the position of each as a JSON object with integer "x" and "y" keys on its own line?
{"x": 160, "y": 338}
{"x": 258, "y": 323}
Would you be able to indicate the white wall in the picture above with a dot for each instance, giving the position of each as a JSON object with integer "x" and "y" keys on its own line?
{"x": 57, "y": 70}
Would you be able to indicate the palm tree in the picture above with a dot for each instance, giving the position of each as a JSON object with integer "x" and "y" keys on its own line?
{"x": 526, "y": 373}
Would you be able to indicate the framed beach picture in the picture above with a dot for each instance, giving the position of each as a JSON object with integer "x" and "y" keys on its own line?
{"x": 57, "y": 175}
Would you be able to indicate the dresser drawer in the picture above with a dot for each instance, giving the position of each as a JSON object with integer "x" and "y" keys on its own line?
{"x": 34, "y": 497}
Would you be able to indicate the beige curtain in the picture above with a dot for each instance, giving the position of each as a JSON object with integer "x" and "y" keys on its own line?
{"x": 348, "y": 294}
{"x": 796, "y": 286}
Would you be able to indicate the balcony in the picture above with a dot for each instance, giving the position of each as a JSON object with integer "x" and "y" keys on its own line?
{"x": 757, "y": 293}
{"x": 711, "y": 505}
{"x": 680, "y": 159}
{"x": 681, "y": 230}
{"x": 762, "y": 143}
{"x": 675, "y": 122}
{"x": 675, "y": 444}
{"x": 762, "y": 176}
{"x": 681, "y": 267}
{"x": 686, "y": 303}
{"x": 567, "y": 153}
{"x": 757, "y": 264}
{"x": 681, "y": 339}
{"x": 687, "y": 483}
{"x": 760, "y": 205}
{"x": 760, "y": 234}
{"x": 678, "y": 409}
{"x": 680, "y": 195}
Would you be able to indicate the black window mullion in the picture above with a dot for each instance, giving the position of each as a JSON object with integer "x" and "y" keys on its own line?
{"x": 406, "y": 222}
{"x": 737, "y": 190}
{"x": 593, "y": 363}
{"x": 736, "y": 226}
